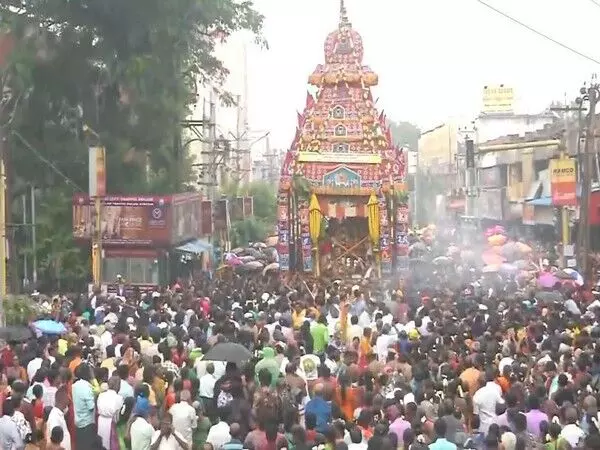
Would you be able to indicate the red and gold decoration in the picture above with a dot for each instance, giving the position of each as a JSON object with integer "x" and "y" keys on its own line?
{"x": 343, "y": 150}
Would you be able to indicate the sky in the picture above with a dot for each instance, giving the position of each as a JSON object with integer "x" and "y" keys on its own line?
{"x": 433, "y": 57}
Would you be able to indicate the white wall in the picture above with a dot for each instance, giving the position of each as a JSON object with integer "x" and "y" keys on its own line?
{"x": 495, "y": 126}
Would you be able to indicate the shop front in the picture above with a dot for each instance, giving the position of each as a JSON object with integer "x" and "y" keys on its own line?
{"x": 141, "y": 236}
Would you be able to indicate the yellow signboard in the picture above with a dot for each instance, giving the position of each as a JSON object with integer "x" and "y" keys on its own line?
{"x": 331, "y": 157}
{"x": 562, "y": 171}
{"x": 498, "y": 99}
{"x": 563, "y": 182}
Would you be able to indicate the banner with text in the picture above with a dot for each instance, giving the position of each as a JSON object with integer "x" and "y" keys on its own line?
{"x": 563, "y": 182}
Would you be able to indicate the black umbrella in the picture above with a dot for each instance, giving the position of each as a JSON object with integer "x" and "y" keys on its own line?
{"x": 549, "y": 296}
{"x": 15, "y": 333}
{"x": 228, "y": 352}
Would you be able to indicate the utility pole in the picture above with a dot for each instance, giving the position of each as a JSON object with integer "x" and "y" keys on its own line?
{"x": 33, "y": 239}
{"x": 3, "y": 277}
{"x": 583, "y": 232}
{"x": 470, "y": 170}
{"x": 564, "y": 210}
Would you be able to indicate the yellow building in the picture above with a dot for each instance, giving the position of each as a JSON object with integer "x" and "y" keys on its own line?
{"x": 437, "y": 150}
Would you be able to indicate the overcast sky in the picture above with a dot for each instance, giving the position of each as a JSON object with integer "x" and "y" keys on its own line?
{"x": 433, "y": 57}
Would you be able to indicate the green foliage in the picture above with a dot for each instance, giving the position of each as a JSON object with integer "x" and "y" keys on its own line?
{"x": 127, "y": 69}
{"x": 300, "y": 187}
{"x": 402, "y": 197}
{"x": 249, "y": 230}
{"x": 262, "y": 224}
{"x": 405, "y": 134}
{"x": 19, "y": 309}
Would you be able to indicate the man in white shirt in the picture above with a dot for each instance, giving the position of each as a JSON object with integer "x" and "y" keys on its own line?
{"x": 167, "y": 438}
{"x": 141, "y": 433}
{"x": 383, "y": 342}
{"x": 207, "y": 383}
{"x": 56, "y": 418}
{"x": 184, "y": 417}
{"x": 485, "y": 400}
{"x": 571, "y": 432}
{"x": 354, "y": 330}
{"x": 35, "y": 364}
{"x": 219, "y": 435}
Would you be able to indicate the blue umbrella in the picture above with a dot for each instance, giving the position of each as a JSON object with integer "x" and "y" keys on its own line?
{"x": 49, "y": 327}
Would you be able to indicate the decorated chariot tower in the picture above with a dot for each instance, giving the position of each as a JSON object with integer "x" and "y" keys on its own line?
{"x": 342, "y": 208}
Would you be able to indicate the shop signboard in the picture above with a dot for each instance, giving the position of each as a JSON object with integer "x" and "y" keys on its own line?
{"x": 236, "y": 206}
{"x": 221, "y": 216}
{"x": 126, "y": 220}
{"x": 563, "y": 182}
{"x": 206, "y": 213}
{"x": 187, "y": 217}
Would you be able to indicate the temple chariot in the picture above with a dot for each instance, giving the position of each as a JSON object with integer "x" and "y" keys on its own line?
{"x": 342, "y": 205}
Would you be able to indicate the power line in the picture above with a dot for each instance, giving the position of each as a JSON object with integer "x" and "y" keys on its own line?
{"x": 46, "y": 161}
{"x": 539, "y": 33}
{"x": 595, "y": 2}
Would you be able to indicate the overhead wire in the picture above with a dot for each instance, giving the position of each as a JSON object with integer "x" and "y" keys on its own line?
{"x": 595, "y": 2}
{"x": 539, "y": 33}
{"x": 49, "y": 163}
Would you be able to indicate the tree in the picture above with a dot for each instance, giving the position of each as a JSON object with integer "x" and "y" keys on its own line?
{"x": 405, "y": 134}
{"x": 126, "y": 70}
{"x": 262, "y": 223}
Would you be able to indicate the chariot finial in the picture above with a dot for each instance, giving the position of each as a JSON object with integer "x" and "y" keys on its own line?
{"x": 344, "y": 22}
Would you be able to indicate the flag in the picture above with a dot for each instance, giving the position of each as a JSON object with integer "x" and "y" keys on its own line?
{"x": 300, "y": 120}
{"x": 310, "y": 101}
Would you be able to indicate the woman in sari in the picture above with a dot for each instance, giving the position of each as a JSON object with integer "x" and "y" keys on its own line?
{"x": 109, "y": 405}
{"x": 365, "y": 348}
{"x": 348, "y": 397}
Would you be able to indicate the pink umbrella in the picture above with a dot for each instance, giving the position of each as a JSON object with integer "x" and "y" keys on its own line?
{"x": 547, "y": 280}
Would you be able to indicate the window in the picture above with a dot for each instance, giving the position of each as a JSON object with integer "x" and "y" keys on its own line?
{"x": 341, "y": 148}
{"x": 338, "y": 112}
{"x": 133, "y": 270}
{"x": 340, "y": 130}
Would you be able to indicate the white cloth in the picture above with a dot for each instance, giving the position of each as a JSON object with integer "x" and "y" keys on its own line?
{"x": 106, "y": 338}
{"x": 56, "y": 418}
{"x": 506, "y": 361}
{"x": 572, "y": 434}
{"x": 109, "y": 404}
{"x": 33, "y": 366}
{"x": 354, "y": 331}
{"x": 382, "y": 346}
{"x": 207, "y": 386}
{"x": 167, "y": 443}
{"x": 218, "y": 435}
{"x": 484, "y": 404}
{"x": 49, "y": 395}
{"x": 184, "y": 420}
{"x": 309, "y": 365}
{"x": 141, "y": 433}
{"x": 200, "y": 367}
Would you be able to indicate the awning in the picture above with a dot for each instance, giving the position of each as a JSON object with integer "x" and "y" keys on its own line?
{"x": 195, "y": 247}
{"x": 542, "y": 201}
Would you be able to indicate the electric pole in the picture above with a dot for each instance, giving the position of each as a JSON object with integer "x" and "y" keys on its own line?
{"x": 583, "y": 232}
{"x": 564, "y": 154}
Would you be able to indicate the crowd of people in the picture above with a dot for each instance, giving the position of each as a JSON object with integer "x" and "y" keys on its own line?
{"x": 456, "y": 359}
